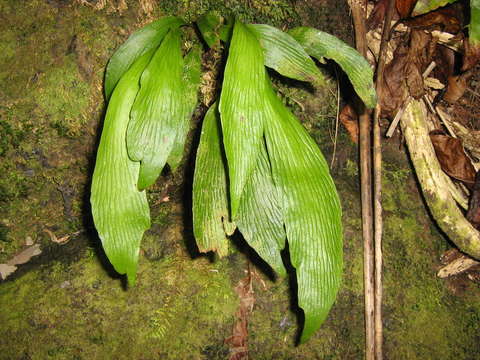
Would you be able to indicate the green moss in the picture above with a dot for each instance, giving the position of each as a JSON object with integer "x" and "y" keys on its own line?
{"x": 274, "y": 12}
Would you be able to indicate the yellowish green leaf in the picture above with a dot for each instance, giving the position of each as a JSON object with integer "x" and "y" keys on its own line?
{"x": 210, "y": 192}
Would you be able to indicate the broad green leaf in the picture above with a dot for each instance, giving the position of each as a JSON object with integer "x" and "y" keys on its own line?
{"x": 319, "y": 44}
{"x": 158, "y": 110}
{"x": 141, "y": 41}
{"x": 214, "y": 28}
{"x": 474, "y": 27}
{"x": 120, "y": 211}
{"x": 242, "y": 109}
{"x": 210, "y": 200}
{"x": 191, "y": 79}
{"x": 259, "y": 215}
{"x": 425, "y": 6}
{"x": 311, "y": 211}
{"x": 285, "y": 55}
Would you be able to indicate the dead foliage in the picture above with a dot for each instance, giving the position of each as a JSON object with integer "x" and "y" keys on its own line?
{"x": 238, "y": 342}
{"x": 452, "y": 157}
{"x": 349, "y": 119}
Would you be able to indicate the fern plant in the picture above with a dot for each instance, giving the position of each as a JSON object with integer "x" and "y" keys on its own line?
{"x": 257, "y": 169}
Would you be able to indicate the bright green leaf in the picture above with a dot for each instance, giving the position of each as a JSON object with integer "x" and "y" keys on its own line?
{"x": 241, "y": 109}
{"x": 120, "y": 211}
{"x": 259, "y": 215}
{"x": 311, "y": 211}
{"x": 210, "y": 201}
{"x": 158, "y": 110}
{"x": 191, "y": 79}
{"x": 425, "y": 6}
{"x": 320, "y": 44}
{"x": 141, "y": 41}
{"x": 474, "y": 27}
{"x": 285, "y": 55}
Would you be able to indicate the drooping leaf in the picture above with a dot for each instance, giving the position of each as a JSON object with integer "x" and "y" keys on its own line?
{"x": 285, "y": 55}
{"x": 311, "y": 211}
{"x": 210, "y": 192}
{"x": 259, "y": 215}
{"x": 191, "y": 79}
{"x": 120, "y": 211}
{"x": 425, "y": 6}
{"x": 241, "y": 109}
{"x": 320, "y": 44}
{"x": 141, "y": 41}
{"x": 158, "y": 111}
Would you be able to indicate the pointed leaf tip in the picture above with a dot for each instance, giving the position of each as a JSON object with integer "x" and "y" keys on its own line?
{"x": 320, "y": 44}
{"x": 311, "y": 212}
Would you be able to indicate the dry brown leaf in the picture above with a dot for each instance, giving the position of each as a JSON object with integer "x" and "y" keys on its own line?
{"x": 403, "y": 75}
{"x": 239, "y": 340}
{"x": 452, "y": 157}
{"x": 6, "y": 270}
{"x": 377, "y": 15}
{"x": 422, "y": 47}
{"x": 63, "y": 239}
{"x": 349, "y": 119}
{"x": 405, "y": 7}
{"x": 25, "y": 255}
{"x": 393, "y": 91}
{"x": 456, "y": 88}
{"x": 445, "y": 19}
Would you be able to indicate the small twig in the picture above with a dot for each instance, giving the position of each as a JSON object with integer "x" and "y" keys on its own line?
{"x": 377, "y": 187}
{"x": 473, "y": 92}
{"x": 336, "y": 122}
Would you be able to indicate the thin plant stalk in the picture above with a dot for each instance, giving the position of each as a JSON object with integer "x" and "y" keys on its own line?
{"x": 358, "y": 13}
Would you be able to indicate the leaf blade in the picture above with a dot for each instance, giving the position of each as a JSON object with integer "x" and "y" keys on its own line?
{"x": 137, "y": 44}
{"x": 320, "y": 44}
{"x": 210, "y": 191}
{"x": 285, "y": 55}
{"x": 259, "y": 216}
{"x": 120, "y": 212}
{"x": 157, "y": 110}
{"x": 311, "y": 211}
{"x": 241, "y": 104}
{"x": 191, "y": 79}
